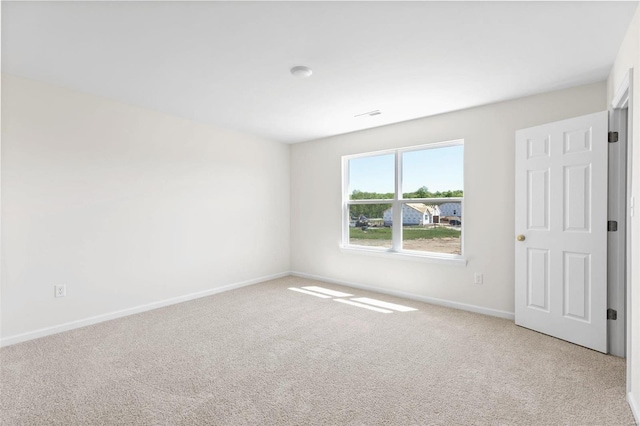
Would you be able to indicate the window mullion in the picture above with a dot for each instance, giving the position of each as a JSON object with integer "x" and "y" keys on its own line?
{"x": 396, "y": 234}
{"x": 434, "y": 200}
{"x": 371, "y": 201}
{"x": 345, "y": 205}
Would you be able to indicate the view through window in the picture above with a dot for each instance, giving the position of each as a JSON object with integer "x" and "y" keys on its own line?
{"x": 424, "y": 184}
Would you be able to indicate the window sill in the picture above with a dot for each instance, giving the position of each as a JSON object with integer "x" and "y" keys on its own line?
{"x": 413, "y": 256}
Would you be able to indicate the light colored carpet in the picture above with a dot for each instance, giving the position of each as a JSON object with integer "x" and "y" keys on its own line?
{"x": 265, "y": 355}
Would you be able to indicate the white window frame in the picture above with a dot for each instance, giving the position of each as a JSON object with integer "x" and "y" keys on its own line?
{"x": 396, "y": 250}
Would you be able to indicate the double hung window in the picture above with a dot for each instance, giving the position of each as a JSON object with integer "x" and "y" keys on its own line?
{"x": 407, "y": 200}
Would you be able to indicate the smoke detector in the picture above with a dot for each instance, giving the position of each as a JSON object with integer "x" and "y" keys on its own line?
{"x": 301, "y": 71}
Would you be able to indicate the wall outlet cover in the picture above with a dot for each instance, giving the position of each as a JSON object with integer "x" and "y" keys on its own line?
{"x": 60, "y": 290}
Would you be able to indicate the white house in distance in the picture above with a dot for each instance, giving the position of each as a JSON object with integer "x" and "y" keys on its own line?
{"x": 414, "y": 214}
{"x": 451, "y": 209}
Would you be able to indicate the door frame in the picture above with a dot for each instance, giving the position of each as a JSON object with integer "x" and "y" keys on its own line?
{"x": 622, "y": 121}
{"x": 616, "y": 241}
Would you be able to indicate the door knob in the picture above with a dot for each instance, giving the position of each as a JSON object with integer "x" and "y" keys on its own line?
{"x": 520, "y": 237}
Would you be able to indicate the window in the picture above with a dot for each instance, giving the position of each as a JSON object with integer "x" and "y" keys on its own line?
{"x": 420, "y": 188}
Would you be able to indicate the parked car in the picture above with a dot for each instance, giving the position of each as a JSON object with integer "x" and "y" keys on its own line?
{"x": 362, "y": 222}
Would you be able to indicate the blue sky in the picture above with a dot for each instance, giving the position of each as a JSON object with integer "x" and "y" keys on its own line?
{"x": 439, "y": 169}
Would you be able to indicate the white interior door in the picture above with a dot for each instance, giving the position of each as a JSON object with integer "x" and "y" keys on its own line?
{"x": 561, "y": 229}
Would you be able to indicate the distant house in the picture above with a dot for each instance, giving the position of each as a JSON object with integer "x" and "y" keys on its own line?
{"x": 451, "y": 209}
{"x": 414, "y": 214}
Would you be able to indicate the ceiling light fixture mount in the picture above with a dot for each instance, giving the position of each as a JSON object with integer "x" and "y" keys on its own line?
{"x": 301, "y": 71}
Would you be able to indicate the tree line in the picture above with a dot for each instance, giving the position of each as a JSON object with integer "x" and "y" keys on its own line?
{"x": 376, "y": 210}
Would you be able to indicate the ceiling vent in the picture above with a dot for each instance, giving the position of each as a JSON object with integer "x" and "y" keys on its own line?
{"x": 370, "y": 113}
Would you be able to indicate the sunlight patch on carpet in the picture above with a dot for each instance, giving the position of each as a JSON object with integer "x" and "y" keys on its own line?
{"x": 382, "y": 304}
{"x": 362, "y": 305}
{"x": 299, "y": 290}
{"x": 323, "y": 290}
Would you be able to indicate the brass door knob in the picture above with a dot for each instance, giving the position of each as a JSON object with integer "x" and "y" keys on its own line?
{"x": 520, "y": 237}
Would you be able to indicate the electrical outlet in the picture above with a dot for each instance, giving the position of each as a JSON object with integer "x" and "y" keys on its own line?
{"x": 478, "y": 278}
{"x": 59, "y": 290}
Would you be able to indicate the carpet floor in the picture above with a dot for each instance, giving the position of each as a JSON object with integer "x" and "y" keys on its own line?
{"x": 266, "y": 355}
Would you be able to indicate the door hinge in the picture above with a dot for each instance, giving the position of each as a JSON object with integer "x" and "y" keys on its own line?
{"x": 612, "y": 225}
{"x": 612, "y": 314}
{"x": 613, "y": 137}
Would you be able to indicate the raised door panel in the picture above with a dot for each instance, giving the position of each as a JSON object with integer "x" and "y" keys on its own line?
{"x": 577, "y": 198}
{"x": 576, "y": 285}
{"x": 538, "y": 279}
{"x": 538, "y": 199}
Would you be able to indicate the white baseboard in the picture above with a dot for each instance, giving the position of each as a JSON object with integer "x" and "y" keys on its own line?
{"x": 11, "y": 340}
{"x": 634, "y": 407}
{"x": 411, "y": 296}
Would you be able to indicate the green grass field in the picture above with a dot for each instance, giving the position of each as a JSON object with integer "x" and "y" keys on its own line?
{"x": 408, "y": 233}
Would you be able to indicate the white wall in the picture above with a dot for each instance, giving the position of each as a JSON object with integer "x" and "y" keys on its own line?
{"x": 488, "y": 132}
{"x": 128, "y": 206}
{"x": 629, "y": 57}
